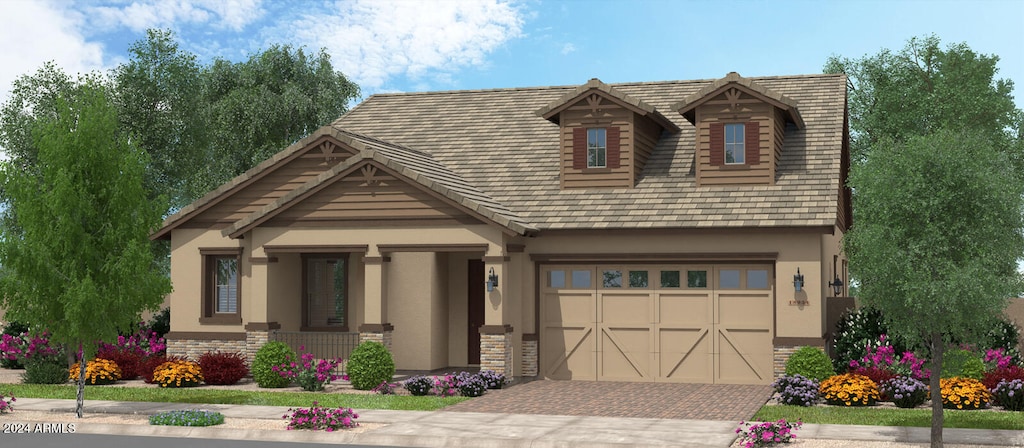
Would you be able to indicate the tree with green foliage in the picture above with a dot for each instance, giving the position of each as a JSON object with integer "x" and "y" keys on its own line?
{"x": 76, "y": 246}
{"x": 159, "y": 99}
{"x": 201, "y": 125}
{"x": 260, "y": 106}
{"x": 924, "y": 88}
{"x": 939, "y": 229}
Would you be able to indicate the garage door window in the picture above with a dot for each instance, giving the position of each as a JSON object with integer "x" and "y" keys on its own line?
{"x": 696, "y": 279}
{"x": 556, "y": 279}
{"x": 669, "y": 279}
{"x": 729, "y": 279}
{"x": 581, "y": 279}
{"x": 757, "y": 279}
{"x": 612, "y": 278}
{"x": 637, "y": 279}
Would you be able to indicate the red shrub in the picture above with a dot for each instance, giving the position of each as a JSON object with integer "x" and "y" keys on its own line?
{"x": 1008, "y": 373}
{"x": 223, "y": 368}
{"x": 150, "y": 363}
{"x": 877, "y": 374}
{"x": 127, "y": 359}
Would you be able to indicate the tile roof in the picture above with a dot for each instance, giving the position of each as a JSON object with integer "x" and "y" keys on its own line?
{"x": 415, "y": 166}
{"x": 496, "y": 145}
{"x": 550, "y": 110}
{"x": 687, "y": 105}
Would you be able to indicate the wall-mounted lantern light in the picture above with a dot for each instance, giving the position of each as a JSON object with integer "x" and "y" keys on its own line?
{"x": 492, "y": 281}
{"x": 836, "y": 284}
{"x": 798, "y": 281}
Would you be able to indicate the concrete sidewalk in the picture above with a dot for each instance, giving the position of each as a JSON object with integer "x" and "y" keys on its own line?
{"x": 471, "y": 429}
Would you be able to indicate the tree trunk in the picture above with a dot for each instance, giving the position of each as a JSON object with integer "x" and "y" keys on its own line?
{"x": 80, "y": 399}
{"x": 936, "y": 389}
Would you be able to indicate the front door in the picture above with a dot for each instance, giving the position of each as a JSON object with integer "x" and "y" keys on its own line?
{"x": 326, "y": 304}
{"x": 476, "y": 309}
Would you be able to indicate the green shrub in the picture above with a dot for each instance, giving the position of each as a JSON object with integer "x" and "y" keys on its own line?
{"x": 160, "y": 323}
{"x": 269, "y": 355}
{"x": 370, "y": 365}
{"x": 810, "y": 362}
{"x": 47, "y": 370}
{"x": 853, "y": 332}
{"x": 187, "y": 417}
{"x": 962, "y": 363}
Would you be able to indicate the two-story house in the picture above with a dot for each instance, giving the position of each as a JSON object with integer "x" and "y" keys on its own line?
{"x": 678, "y": 231}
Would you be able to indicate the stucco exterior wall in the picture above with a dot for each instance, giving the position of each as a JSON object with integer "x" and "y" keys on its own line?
{"x": 831, "y": 245}
{"x": 284, "y": 298}
{"x": 439, "y": 311}
{"x": 186, "y": 278}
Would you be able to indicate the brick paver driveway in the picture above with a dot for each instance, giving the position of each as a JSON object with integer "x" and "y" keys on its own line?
{"x": 611, "y": 399}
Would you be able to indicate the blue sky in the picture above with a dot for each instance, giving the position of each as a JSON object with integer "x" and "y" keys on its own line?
{"x": 406, "y": 45}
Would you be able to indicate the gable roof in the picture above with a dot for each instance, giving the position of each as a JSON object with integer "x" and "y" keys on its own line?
{"x": 687, "y": 106}
{"x": 501, "y": 165}
{"x": 551, "y": 110}
{"x": 416, "y": 165}
{"x": 512, "y": 155}
{"x": 407, "y": 164}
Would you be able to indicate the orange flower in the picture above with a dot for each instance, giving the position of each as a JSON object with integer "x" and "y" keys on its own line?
{"x": 178, "y": 374}
{"x": 849, "y": 390}
{"x": 964, "y": 393}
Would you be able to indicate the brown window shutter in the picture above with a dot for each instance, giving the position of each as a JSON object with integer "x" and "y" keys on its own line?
{"x": 752, "y": 142}
{"x": 717, "y": 144}
{"x": 579, "y": 148}
{"x": 614, "y": 153}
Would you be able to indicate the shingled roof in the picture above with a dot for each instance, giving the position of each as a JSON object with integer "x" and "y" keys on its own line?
{"x": 495, "y": 142}
{"x": 413, "y": 166}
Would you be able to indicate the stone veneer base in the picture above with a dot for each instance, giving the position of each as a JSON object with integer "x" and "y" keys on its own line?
{"x": 530, "y": 358}
{"x": 496, "y": 353}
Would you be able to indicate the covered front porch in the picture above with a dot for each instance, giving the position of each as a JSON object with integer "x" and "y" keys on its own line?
{"x": 427, "y": 302}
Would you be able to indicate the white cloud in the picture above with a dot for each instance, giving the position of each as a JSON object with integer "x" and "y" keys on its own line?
{"x": 140, "y": 15}
{"x": 33, "y": 32}
{"x": 568, "y": 48}
{"x": 373, "y": 40}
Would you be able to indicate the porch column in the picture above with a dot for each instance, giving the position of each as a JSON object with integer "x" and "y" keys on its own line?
{"x": 256, "y": 309}
{"x": 375, "y": 325}
{"x": 496, "y": 333}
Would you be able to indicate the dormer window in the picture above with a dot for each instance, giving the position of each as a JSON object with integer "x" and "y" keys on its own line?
{"x": 597, "y": 148}
{"x": 735, "y": 151}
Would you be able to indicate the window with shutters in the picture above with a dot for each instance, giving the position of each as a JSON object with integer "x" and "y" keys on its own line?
{"x": 597, "y": 148}
{"x": 735, "y": 144}
{"x": 735, "y": 151}
{"x": 221, "y": 286}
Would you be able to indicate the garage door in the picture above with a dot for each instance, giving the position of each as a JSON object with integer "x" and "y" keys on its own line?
{"x": 663, "y": 323}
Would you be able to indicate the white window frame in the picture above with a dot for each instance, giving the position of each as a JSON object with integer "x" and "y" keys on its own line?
{"x": 735, "y": 134}
{"x": 597, "y": 148}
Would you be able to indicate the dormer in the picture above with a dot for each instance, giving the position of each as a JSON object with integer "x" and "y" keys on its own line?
{"x": 740, "y": 130}
{"x": 606, "y": 135}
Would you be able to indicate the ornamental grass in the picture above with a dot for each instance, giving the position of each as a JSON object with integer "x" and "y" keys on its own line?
{"x": 849, "y": 389}
{"x": 178, "y": 374}
{"x": 964, "y": 393}
{"x": 99, "y": 371}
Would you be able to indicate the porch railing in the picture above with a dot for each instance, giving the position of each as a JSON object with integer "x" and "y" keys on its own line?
{"x": 322, "y": 344}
